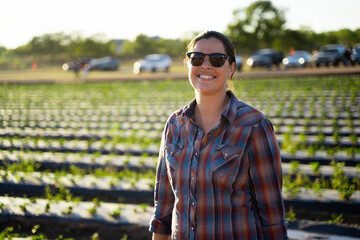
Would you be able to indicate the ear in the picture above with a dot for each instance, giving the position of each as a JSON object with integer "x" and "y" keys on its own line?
{"x": 232, "y": 68}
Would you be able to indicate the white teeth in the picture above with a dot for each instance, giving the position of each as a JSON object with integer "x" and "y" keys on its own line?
{"x": 206, "y": 77}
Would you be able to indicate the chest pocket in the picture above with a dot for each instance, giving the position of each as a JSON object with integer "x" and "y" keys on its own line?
{"x": 173, "y": 154}
{"x": 227, "y": 161}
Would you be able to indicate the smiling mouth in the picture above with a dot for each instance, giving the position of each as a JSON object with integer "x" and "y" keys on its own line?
{"x": 206, "y": 77}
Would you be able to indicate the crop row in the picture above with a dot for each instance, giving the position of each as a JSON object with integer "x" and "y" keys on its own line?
{"x": 299, "y": 134}
{"x": 294, "y": 126}
{"x": 119, "y": 122}
{"x": 119, "y": 219}
{"x": 282, "y": 108}
{"x": 34, "y": 161}
{"x": 135, "y": 187}
{"x": 148, "y": 141}
{"x": 135, "y": 168}
{"x": 124, "y": 220}
{"x": 319, "y": 152}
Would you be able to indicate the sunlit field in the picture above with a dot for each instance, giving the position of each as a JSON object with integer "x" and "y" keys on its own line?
{"x": 84, "y": 154}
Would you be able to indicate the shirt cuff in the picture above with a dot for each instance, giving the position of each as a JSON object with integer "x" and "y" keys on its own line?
{"x": 159, "y": 228}
{"x": 278, "y": 231}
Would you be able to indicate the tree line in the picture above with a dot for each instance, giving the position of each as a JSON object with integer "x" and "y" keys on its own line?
{"x": 260, "y": 25}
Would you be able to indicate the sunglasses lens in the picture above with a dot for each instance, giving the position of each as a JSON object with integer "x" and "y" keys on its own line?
{"x": 217, "y": 60}
{"x": 196, "y": 59}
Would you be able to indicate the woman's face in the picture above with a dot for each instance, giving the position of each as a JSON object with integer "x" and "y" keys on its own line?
{"x": 207, "y": 79}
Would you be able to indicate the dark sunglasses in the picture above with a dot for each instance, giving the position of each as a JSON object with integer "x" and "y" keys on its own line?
{"x": 216, "y": 59}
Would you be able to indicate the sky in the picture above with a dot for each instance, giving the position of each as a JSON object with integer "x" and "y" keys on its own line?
{"x": 21, "y": 20}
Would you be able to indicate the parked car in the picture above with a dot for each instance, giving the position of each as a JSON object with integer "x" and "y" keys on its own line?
{"x": 298, "y": 59}
{"x": 153, "y": 63}
{"x": 331, "y": 54}
{"x": 76, "y": 64}
{"x": 265, "y": 58}
{"x": 104, "y": 64}
{"x": 356, "y": 53}
{"x": 239, "y": 62}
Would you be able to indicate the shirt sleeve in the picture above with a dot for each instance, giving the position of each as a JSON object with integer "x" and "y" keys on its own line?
{"x": 163, "y": 196}
{"x": 266, "y": 180}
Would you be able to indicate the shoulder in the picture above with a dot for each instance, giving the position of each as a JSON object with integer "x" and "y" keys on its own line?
{"x": 175, "y": 120}
{"x": 247, "y": 115}
{"x": 175, "y": 116}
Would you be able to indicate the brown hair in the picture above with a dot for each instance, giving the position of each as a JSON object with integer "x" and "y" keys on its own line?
{"x": 228, "y": 46}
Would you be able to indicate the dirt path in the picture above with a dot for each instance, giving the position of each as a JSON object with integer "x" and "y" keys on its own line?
{"x": 258, "y": 73}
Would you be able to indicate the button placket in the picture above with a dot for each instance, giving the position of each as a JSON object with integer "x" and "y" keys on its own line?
{"x": 194, "y": 165}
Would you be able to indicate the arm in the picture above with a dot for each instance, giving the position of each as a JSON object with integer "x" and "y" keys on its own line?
{"x": 266, "y": 177}
{"x": 160, "y": 223}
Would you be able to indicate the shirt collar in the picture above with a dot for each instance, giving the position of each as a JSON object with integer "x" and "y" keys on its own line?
{"x": 229, "y": 112}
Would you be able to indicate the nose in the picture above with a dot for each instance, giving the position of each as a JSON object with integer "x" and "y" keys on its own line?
{"x": 206, "y": 63}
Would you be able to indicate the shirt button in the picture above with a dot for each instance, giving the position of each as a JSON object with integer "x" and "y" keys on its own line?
{"x": 196, "y": 154}
{"x": 193, "y": 204}
{"x": 193, "y": 178}
{"x": 192, "y": 228}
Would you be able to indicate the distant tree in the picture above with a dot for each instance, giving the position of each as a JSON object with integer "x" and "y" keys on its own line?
{"x": 143, "y": 45}
{"x": 95, "y": 46}
{"x": 173, "y": 47}
{"x": 50, "y": 45}
{"x": 303, "y": 39}
{"x": 256, "y": 26}
{"x": 347, "y": 37}
{"x": 2, "y": 50}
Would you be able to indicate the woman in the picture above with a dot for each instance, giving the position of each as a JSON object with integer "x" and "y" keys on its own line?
{"x": 219, "y": 171}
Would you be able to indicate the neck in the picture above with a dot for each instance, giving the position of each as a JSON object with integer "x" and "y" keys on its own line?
{"x": 208, "y": 109}
{"x": 210, "y": 104}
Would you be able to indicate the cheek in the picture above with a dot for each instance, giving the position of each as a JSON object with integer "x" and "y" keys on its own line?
{"x": 192, "y": 70}
{"x": 191, "y": 74}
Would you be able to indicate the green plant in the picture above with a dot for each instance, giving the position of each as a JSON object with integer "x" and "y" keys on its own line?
{"x": 39, "y": 237}
{"x": 35, "y": 228}
{"x": 47, "y": 206}
{"x": 317, "y": 187}
{"x": 23, "y": 207}
{"x": 92, "y": 210}
{"x": 125, "y": 237}
{"x": 341, "y": 183}
{"x": 68, "y": 210}
{"x": 336, "y": 218}
{"x": 7, "y": 233}
{"x": 320, "y": 138}
{"x": 294, "y": 167}
{"x": 2, "y": 207}
{"x": 143, "y": 207}
{"x": 290, "y": 215}
{"x": 95, "y": 236}
{"x": 315, "y": 167}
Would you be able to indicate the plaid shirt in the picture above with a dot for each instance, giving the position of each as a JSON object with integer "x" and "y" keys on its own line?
{"x": 222, "y": 185}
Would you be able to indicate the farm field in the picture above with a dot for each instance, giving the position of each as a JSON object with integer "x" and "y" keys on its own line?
{"x": 78, "y": 160}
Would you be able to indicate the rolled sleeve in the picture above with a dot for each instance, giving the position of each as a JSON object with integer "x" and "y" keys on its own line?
{"x": 266, "y": 176}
